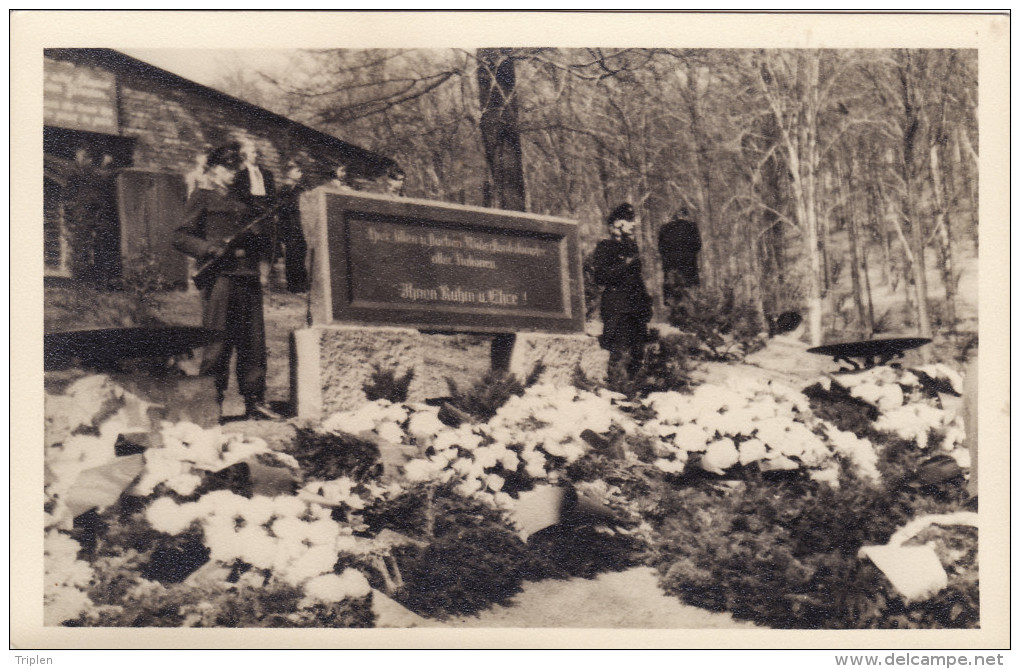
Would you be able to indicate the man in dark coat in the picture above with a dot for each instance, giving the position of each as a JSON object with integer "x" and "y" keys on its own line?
{"x": 255, "y": 186}
{"x": 679, "y": 245}
{"x": 291, "y": 235}
{"x": 232, "y": 304}
{"x": 626, "y": 305}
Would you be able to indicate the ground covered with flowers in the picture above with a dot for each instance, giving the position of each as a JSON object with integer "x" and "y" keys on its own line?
{"x": 746, "y": 495}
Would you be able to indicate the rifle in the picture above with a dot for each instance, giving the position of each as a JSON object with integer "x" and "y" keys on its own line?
{"x": 207, "y": 271}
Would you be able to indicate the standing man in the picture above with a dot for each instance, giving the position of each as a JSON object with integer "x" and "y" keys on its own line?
{"x": 290, "y": 233}
{"x": 626, "y": 305}
{"x": 232, "y": 304}
{"x": 679, "y": 245}
{"x": 256, "y": 187}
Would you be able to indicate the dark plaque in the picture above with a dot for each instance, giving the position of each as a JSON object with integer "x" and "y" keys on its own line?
{"x": 437, "y": 266}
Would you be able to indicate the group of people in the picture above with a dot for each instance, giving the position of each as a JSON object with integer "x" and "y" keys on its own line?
{"x": 229, "y": 188}
{"x": 626, "y": 306}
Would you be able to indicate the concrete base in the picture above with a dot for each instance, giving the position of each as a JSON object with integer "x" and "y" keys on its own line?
{"x": 330, "y": 364}
{"x": 561, "y": 354}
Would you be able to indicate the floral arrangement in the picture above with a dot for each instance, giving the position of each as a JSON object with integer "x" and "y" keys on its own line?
{"x": 297, "y": 543}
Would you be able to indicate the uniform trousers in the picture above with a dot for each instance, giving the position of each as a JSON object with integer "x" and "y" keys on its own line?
{"x": 233, "y": 306}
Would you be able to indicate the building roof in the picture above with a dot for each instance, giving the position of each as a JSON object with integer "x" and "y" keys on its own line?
{"x": 118, "y": 62}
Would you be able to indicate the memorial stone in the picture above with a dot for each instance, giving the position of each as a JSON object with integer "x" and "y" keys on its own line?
{"x": 389, "y": 270}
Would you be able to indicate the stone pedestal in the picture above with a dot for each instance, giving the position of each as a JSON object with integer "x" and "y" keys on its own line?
{"x": 561, "y": 354}
{"x": 330, "y": 364}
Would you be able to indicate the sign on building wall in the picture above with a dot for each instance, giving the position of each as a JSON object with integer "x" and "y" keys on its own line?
{"x": 433, "y": 265}
{"x": 79, "y": 97}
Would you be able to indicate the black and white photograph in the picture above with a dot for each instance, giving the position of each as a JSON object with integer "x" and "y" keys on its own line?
{"x": 510, "y": 329}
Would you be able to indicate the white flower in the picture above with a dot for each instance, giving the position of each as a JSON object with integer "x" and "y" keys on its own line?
{"x": 221, "y": 538}
{"x": 485, "y": 457}
{"x": 290, "y": 530}
{"x": 912, "y": 422}
{"x": 468, "y": 487}
{"x": 184, "y": 484}
{"x": 239, "y": 449}
{"x": 828, "y": 475}
{"x": 424, "y": 425}
{"x": 288, "y": 505}
{"x": 224, "y": 503}
{"x": 390, "y": 432}
{"x": 885, "y": 397}
{"x": 503, "y": 500}
{"x": 322, "y": 532}
{"x": 962, "y": 457}
{"x": 752, "y": 450}
{"x": 258, "y": 510}
{"x": 691, "y": 437}
{"x": 332, "y": 588}
{"x": 165, "y": 515}
{"x": 860, "y": 452}
{"x": 720, "y": 456}
{"x": 780, "y": 463}
{"x": 494, "y": 482}
{"x": 313, "y": 562}
{"x": 258, "y": 548}
{"x": 351, "y": 422}
{"x": 670, "y": 466}
{"x": 510, "y": 461}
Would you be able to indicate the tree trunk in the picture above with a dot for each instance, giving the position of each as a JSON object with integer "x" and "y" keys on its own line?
{"x": 855, "y": 265}
{"x": 943, "y": 236}
{"x": 501, "y": 136}
{"x": 912, "y": 127}
{"x": 501, "y": 139}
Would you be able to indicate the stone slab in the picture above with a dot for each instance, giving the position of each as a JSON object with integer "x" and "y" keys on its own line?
{"x": 332, "y": 363}
{"x": 561, "y": 355}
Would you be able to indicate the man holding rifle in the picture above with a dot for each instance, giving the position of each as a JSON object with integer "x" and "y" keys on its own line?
{"x": 216, "y": 222}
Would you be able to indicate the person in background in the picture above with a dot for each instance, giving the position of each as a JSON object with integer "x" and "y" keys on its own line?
{"x": 256, "y": 187}
{"x": 232, "y": 304}
{"x": 290, "y": 233}
{"x": 395, "y": 178}
{"x": 626, "y": 305}
{"x": 339, "y": 181}
{"x": 195, "y": 179}
{"x": 679, "y": 246}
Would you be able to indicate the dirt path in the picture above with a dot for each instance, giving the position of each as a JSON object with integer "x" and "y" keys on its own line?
{"x": 628, "y": 599}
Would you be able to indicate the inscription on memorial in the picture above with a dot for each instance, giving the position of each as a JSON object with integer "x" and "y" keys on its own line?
{"x": 467, "y": 268}
{"x": 414, "y": 261}
{"x": 79, "y": 98}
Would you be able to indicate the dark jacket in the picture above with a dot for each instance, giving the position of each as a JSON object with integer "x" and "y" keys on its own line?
{"x": 679, "y": 245}
{"x": 242, "y": 188}
{"x": 624, "y": 291}
{"x": 211, "y": 217}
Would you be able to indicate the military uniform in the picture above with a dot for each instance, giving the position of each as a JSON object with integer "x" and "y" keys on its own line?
{"x": 626, "y": 305}
{"x": 232, "y": 304}
{"x": 679, "y": 245}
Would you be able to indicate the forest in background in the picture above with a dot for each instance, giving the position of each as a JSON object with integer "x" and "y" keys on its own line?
{"x": 838, "y": 183}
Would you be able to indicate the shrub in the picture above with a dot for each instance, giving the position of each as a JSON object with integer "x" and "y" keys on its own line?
{"x": 725, "y": 330}
{"x": 784, "y": 554}
{"x": 386, "y": 385}
{"x": 328, "y": 456}
{"x": 483, "y": 399}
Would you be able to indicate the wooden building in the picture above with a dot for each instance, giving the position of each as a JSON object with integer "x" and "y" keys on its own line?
{"x": 119, "y": 136}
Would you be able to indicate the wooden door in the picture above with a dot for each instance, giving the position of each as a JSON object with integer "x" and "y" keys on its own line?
{"x": 151, "y": 205}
